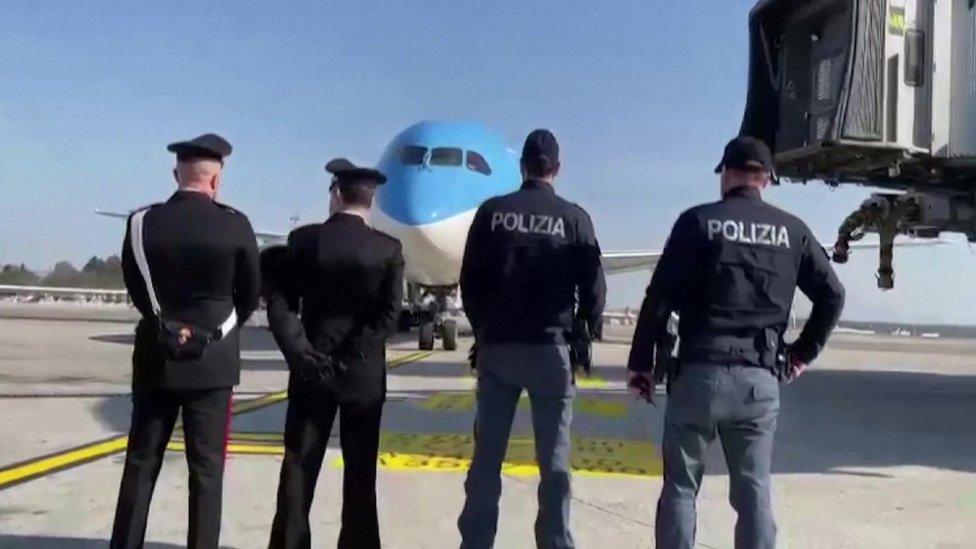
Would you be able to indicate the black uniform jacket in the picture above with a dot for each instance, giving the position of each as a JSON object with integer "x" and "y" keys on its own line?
{"x": 730, "y": 270}
{"x": 203, "y": 260}
{"x": 529, "y": 256}
{"x": 345, "y": 280}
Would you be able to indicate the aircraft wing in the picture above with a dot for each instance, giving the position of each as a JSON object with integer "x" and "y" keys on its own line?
{"x": 264, "y": 238}
{"x": 900, "y": 243}
{"x": 628, "y": 262}
{"x": 117, "y": 215}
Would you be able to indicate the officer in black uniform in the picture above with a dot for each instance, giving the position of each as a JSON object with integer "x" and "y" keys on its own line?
{"x": 191, "y": 268}
{"x": 730, "y": 270}
{"x": 531, "y": 263}
{"x": 345, "y": 281}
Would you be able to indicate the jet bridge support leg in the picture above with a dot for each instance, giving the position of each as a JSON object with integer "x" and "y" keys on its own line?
{"x": 884, "y": 214}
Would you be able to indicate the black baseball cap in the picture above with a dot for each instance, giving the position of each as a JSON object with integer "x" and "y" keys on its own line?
{"x": 541, "y": 148}
{"x": 748, "y": 154}
{"x": 345, "y": 171}
{"x": 208, "y": 145}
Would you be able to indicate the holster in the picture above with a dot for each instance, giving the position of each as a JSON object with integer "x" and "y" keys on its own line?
{"x": 777, "y": 356}
{"x": 581, "y": 346}
{"x": 473, "y": 357}
{"x": 666, "y": 366}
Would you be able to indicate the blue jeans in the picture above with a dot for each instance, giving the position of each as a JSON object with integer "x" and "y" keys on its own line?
{"x": 503, "y": 371}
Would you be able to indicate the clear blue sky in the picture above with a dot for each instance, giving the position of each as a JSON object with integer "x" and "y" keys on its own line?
{"x": 642, "y": 95}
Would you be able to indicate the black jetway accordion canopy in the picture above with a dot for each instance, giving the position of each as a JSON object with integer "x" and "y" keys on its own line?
{"x": 816, "y": 75}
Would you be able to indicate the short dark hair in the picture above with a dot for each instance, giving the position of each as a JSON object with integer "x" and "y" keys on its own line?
{"x": 540, "y": 154}
{"x": 541, "y": 167}
{"x": 357, "y": 194}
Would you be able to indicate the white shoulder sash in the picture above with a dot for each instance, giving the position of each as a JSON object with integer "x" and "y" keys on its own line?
{"x": 139, "y": 251}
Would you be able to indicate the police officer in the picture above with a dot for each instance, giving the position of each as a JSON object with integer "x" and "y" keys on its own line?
{"x": 528, "y": 256}
{"x": 191, "y": 268}
{"x": 338, "y": 300}
{"x": 729, "y": 271}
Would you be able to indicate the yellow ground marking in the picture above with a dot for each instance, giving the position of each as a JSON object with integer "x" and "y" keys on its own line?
{"x": 41, "y": 466}
{"x": 251, "y": 404}
{"x": 37, "y": 467}
{"x": 257, "y": 437}
{"x": 601, "y": 407}
{"x": 237, "y": 448}
{"x": 407, "y": 359}
{"x": 592, "y": 382}
{"x": 465, "y": 402}
{"x": 452, "y": 453}
{"x": 449, "y": 402}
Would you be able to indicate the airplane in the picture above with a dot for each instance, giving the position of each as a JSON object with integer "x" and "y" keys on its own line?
{"x": 438, "y": 173}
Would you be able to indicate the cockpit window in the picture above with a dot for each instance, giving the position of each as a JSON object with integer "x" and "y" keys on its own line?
{"x": 476, "y": 162}
{"x": 413, "y": 155}
{"x": 445, "y": 156}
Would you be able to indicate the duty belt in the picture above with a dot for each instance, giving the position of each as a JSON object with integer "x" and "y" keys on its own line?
{"x": 757, "y": 350}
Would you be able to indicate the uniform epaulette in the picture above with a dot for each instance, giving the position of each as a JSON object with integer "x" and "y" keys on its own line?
{"x": 581, "y": 210}
{"x": 146, "y": 207}
{"x": 228, "y": 208}
{"x": 386, "y": 236}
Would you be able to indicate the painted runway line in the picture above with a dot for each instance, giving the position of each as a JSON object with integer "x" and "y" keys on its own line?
{"x": 41, "y": 466}
{"x": 451, "y": 453}
{"x": 609, "y": 407}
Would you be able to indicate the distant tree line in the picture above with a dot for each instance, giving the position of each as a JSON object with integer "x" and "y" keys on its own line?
{"x": 97, "y": 273}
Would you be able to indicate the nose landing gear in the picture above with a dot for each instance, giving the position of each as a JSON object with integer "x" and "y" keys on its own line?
{"x": 434, "y": 312}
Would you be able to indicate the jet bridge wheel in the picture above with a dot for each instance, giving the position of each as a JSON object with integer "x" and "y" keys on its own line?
{"x": 425, "y": 336}
{"x": 450, "y": 334}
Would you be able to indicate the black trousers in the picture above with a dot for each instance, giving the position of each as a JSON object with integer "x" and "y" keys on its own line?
{"x": 308, "y": 424}
{"x": 206, "y": 416}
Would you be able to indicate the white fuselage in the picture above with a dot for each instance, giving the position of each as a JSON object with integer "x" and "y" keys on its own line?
{"x": 433, "y": 251}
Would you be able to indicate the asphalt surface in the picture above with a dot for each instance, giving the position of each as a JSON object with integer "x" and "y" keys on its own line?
{"x": 875, "y": 448}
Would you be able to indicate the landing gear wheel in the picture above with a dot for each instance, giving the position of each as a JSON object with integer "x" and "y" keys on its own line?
{"x": 425, "y": 336}
{"x": 450, "y": 334}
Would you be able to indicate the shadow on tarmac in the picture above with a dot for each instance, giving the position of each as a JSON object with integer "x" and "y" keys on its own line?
{"x": 120, "y": 339}
{"x": 831, "y": 421}
{"x": 47, "y": 542}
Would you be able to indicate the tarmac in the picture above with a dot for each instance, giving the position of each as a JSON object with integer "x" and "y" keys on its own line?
{"x": 875, "y": 447}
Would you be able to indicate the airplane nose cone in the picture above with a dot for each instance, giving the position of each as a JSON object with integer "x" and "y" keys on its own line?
{"x": 418, "y": 197}
{"x": 434, "y": 251}
{"x": 410, "y": 208}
